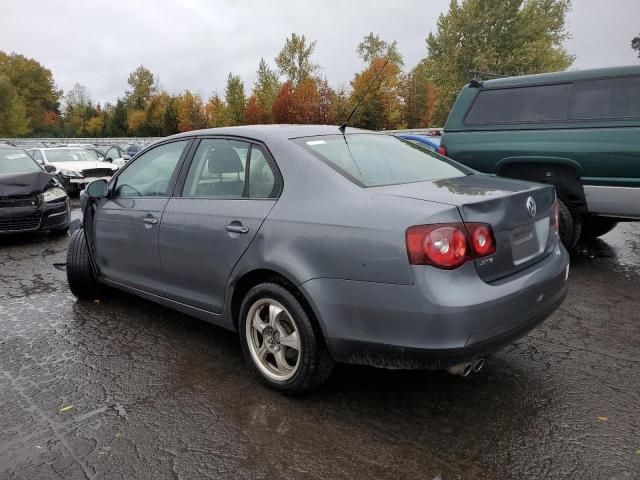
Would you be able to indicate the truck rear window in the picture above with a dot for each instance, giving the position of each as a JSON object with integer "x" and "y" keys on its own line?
{"x": 610, "y": 98}
{"x": 371, "y": 160}
{"x": 521, "y": 105}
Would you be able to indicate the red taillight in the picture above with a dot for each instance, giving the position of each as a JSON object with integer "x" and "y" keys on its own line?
{"x": 448, "y": 245}
{"x": 555, "y": 218}
{"x": 482, "y": 239}
{"x": 442, "y": 150}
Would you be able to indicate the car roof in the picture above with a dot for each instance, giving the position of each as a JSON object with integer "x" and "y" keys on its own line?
{"x": 567, "y": 76}
{"x": 272, "y": 132}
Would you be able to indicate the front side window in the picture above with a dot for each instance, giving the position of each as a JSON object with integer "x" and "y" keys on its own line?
{"x": 150, "y": 174}
{"x": 371, "y": 160}
{"x": 17, "y": 161}
{"x": 36, "y": 155}
{"x": 112, "y": 154}
{"x": 541, "y": 103}
{"x": 608, "y": 98}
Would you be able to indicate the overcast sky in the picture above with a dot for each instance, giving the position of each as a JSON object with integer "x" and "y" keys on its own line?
{"x": 195, "y": 43}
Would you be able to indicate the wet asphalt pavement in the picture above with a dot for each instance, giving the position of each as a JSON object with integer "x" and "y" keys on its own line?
{"x": 125, "y": 389}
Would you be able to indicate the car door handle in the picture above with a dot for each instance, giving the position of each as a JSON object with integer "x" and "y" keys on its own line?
{"x": 236, "y": 229}
{"x": 150, "y": 221}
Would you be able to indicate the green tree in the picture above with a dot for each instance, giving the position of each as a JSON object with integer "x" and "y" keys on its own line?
{"x": 142, "y": 83}
{"x": 380, "y": 106}
{"x": 116, "y": 119}
{"x": 217, "y": 113}
{"x": 155, "y": 111}
{"x": 190, "y": 112}
{"x": 13, "y": 112}
{"x": 235, "y": 99}
{"x": 514, "y": 37}
{"x": 294, "y": 60}
{"x": 77, "y": 111}
{"x": 372, "y": 46}
{"x": 34, "y": 84}
{"x": 266, "y": 89}
{"x": 635, "y": 44}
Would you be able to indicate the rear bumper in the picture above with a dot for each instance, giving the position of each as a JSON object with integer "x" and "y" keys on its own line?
{"x": 443, "y": 318}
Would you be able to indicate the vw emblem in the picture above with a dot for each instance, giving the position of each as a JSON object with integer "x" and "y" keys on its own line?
{"x": 531, "y": 207}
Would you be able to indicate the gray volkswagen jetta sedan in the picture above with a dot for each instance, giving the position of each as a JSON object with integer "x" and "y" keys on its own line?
{"x": 320, "y": 247}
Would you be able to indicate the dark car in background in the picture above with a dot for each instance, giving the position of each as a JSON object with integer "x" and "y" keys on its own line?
{"x": 30, "y": 198}
{"x": 576, "y": 130}
{"x": 318, "y": 246}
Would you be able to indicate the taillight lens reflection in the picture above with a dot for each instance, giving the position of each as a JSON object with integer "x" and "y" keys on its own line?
{"x": 555, "y": 218}
{"x": 482, "y": 239}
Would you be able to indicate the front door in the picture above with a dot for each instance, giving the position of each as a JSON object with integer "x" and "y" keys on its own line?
{"x": 127, "y": 222}
{"x": 229, "y": 189}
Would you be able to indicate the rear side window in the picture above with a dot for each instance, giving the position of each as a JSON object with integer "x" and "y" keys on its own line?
{"x": 609, "y": 98}
{"x": 370, "y": 160}
{"x": 223, "y": 168}
{"x": 520, "y": 105}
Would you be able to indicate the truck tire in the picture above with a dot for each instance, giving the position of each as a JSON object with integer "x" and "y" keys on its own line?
{"x": 570, "y": 224}
{"x": 82, "y": 280}
{"x": 593, "y": 226}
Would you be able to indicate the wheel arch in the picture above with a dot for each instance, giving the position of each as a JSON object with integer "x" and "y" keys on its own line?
{"x": 254, "y": 277}
{"x": 563, "y": 173}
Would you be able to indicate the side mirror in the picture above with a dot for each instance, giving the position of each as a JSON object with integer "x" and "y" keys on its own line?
{"x": 97, "y": 189}
{"x": 49, "y": 168}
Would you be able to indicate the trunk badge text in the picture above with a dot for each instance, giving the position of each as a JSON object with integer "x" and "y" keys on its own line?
{"x": 531, "y": 207}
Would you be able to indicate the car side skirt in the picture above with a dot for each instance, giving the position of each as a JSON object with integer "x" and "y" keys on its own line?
{"x": 216, "y": 319}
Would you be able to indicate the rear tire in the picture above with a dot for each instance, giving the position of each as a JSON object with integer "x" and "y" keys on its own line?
{"x": 593, "y": 226}
{"x": 270, "y": 313}
{"x": 82, "y": 280}
{"x": 570, "y": 224}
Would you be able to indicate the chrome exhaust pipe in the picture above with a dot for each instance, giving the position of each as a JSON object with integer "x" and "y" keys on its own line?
{"x": 478, "y": 365}
{"x": 461, "y": 369}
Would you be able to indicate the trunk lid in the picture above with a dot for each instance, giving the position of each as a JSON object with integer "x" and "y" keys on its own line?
{"x": 519, "y": 213}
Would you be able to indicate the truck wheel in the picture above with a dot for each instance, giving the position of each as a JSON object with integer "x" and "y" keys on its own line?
{"x": 570, "y": 224}
{"x": 593, "y": 226}
{"x": 80, "y": 275}
{"x": 280, "y": 342}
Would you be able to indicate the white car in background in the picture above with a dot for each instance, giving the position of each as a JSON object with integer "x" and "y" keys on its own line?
{"x": 74, "y": 167}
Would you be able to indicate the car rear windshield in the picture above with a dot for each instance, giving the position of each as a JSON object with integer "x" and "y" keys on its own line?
{"x": 17, "y": 161}
{"x": 76, "y": 155}
{"x": 371, "y": 160}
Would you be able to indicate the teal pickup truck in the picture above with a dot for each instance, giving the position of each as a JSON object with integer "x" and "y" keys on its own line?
{"x": 577, "y": 130}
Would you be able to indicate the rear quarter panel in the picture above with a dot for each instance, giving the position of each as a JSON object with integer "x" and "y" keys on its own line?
{"x": 324, "y": 226}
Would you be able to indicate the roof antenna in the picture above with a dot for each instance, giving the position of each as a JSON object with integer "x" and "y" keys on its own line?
{"x": 343, "y": 127}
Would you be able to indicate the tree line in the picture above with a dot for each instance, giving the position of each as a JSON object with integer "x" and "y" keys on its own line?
{"x": 512, "y": 37}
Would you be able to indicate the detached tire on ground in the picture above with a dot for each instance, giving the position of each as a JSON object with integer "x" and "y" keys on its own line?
{"x": 280, "y": 342}
{"x": 570, "y": 225}
{"x": 593, "y": 227}
{"x": 80, "y": 275}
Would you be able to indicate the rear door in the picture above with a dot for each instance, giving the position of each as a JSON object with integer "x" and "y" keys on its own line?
{"x": 126, "y": 223}
{"x": 228, "y": 190}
